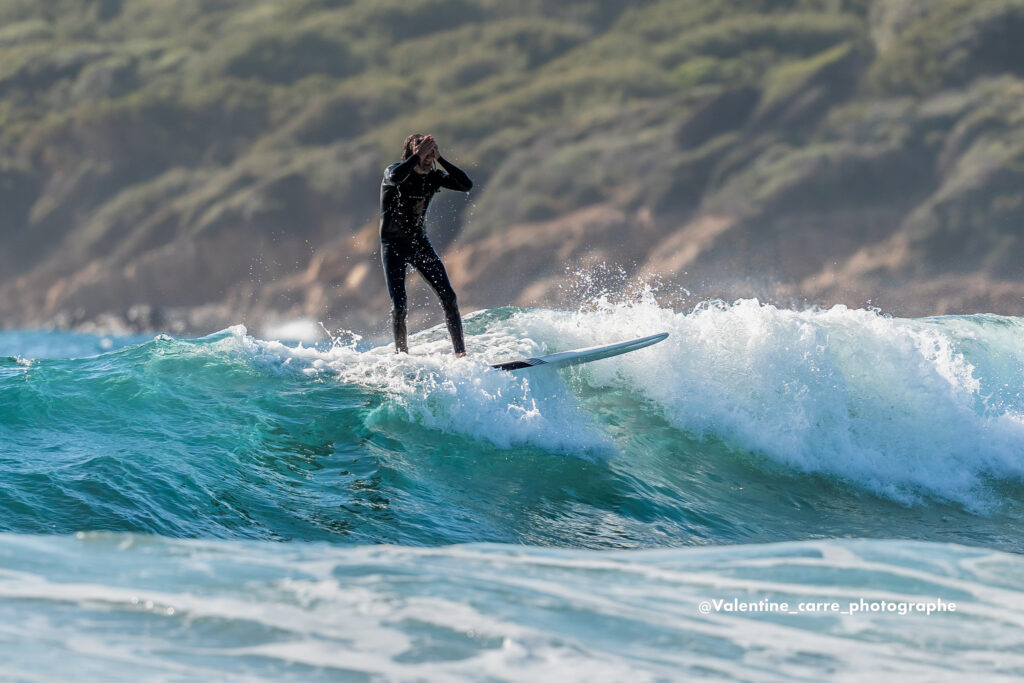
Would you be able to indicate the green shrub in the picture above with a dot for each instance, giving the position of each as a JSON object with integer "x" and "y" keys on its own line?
{"x": 957, "y": 41}
{"x": 30, "y": 31}
{"x": 797, "y": 35}
{"x": 284, "y": 56}
{"x": 788, "y": 78}
{"x": 348, "y": 111}
{"x": 399, "y": 20}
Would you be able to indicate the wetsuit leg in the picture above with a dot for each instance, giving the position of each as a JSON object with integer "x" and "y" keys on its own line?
{"x": 394, "y": 274}
{"x": 426, "y": 260}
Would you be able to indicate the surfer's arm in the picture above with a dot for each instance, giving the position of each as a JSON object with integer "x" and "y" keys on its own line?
{"x": 397, "y": 173}
{"x": 455, "y": 178}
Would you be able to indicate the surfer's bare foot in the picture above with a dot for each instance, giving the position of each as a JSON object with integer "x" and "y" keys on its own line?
{"x": 461, "y": 355}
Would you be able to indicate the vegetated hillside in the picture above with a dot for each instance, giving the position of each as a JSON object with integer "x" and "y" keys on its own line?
{"x": 187, "y": 165}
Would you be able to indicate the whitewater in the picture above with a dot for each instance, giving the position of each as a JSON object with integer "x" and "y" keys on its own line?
{"x": 245, "y": 509}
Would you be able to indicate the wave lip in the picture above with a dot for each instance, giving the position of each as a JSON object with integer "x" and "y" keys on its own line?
{"x": 907, "y": 409}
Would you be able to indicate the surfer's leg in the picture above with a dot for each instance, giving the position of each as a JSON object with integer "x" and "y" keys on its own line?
{"x": 429, "y": 264}
{"x": 394, "y": 275}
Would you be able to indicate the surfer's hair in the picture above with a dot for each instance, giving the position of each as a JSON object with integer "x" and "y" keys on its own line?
{"x": 409, "y": 143}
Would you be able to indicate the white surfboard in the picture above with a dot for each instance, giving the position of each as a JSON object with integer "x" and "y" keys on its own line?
{"x": 566, "y": 358}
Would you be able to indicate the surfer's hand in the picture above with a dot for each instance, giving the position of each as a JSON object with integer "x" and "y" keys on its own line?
{"x": 425, "y": 148}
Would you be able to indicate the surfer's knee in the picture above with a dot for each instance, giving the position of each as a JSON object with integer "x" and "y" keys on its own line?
{"x": 448, "y": 299}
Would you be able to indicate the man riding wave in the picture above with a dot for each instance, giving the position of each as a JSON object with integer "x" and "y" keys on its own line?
{"x": 405, "y": 194}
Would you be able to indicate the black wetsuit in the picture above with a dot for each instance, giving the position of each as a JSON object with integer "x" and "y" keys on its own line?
{"x": 404, "y": 198}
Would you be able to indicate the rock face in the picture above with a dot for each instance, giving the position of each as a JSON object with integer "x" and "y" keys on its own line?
{"x": 189, "y": 168}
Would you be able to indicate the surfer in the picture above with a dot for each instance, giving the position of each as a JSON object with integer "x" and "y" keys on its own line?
{"x": 405, "y": 194}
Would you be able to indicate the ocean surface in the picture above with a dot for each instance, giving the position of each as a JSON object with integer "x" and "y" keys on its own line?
{"x": 768, "y": 494}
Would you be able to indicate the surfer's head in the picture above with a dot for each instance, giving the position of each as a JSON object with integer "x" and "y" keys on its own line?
{"x": 412, "y": 145}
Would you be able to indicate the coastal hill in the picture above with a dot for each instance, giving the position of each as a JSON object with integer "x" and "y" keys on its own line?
{"x": 187, "y": 165}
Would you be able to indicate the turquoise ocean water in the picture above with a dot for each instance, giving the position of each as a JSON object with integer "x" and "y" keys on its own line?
{"x": 231, "y": 508}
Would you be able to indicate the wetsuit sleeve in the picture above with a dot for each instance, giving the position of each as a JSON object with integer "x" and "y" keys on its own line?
{"x": 455, "y": 178}
{"x": 396, "y": 175}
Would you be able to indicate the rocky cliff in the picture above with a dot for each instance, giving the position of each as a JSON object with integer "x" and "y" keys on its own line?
{"x": 185, "y": 166}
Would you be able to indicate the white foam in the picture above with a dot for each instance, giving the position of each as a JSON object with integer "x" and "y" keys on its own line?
{"x": 505, "y": 612}
{"x": 889, "y": 404}
{"x": 300, "y": 330}
{"x": 432, "y": 388}
{"x": 896, "y": 406}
